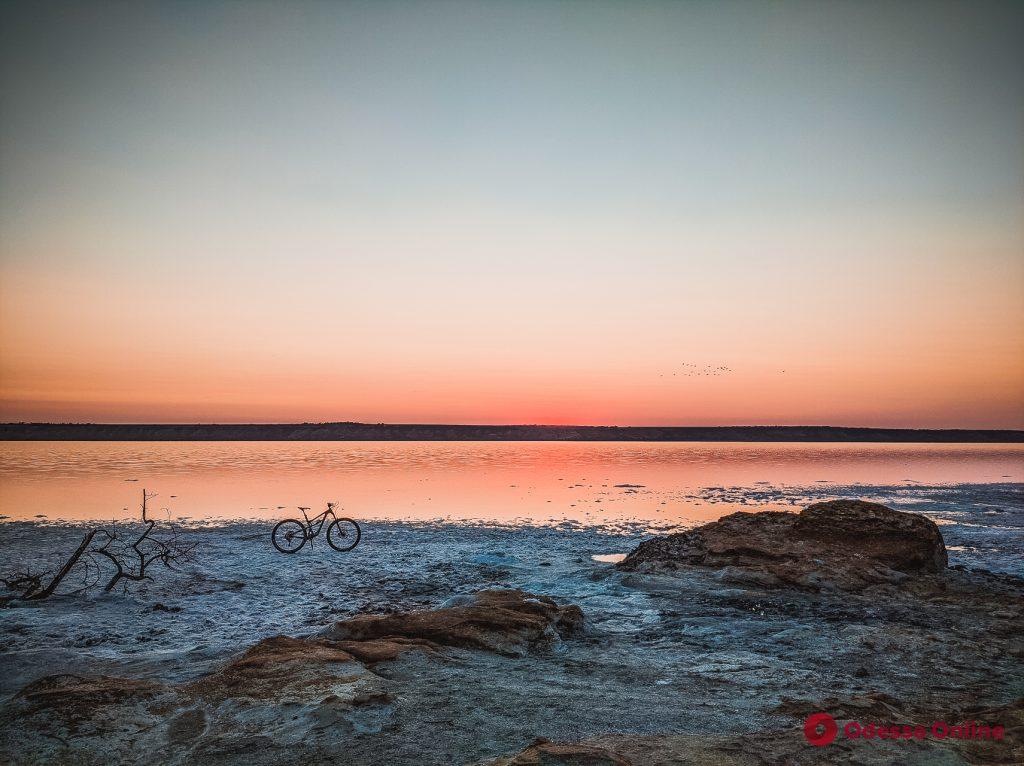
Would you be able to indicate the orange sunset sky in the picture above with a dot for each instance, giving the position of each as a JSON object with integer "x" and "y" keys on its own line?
{"x": 520, "y": 213}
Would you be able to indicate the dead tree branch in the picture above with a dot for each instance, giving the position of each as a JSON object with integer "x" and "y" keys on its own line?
{"x": 130, "y": 558}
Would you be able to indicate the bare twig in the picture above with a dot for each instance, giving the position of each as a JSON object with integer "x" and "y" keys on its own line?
{"x": 130, "y": 560}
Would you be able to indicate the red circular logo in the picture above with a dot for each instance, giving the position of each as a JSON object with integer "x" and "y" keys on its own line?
{"x": 823, "y": 722}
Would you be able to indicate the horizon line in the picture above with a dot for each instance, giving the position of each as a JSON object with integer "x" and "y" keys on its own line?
{"x": 223, "y": 424}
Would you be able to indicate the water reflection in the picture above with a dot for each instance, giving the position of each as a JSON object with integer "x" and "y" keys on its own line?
{"x": 501, "y": 481}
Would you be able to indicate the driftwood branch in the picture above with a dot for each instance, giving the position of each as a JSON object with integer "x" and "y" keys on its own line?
{"x": 64, "y": 570}
{"x": 130, "y": 559}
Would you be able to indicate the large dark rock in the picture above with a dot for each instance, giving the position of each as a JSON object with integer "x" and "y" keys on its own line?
{"x": 908, "y": 542}
{"x": 844, "y": 544}
{"x": 508, "y": 622}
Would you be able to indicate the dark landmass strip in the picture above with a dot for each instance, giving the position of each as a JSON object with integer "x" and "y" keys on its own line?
{"x": 432, "y": 432}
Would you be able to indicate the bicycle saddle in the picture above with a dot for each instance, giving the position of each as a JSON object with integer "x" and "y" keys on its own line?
{"x": 303, "y": 509}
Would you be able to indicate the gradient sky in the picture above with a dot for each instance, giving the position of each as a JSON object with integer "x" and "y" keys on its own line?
{"x": 517, "y": 211}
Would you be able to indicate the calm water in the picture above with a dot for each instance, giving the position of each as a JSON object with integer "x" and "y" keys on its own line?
{"x": 533, "y": 482}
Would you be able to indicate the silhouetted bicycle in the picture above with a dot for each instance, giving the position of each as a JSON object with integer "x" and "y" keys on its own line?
{"x": 291, "y": 534}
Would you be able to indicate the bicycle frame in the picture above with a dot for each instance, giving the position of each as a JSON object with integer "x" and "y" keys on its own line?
{"x": 320, "y": 517}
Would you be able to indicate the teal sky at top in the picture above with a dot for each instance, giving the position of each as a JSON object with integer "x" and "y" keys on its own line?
{"x": 372, "y": 114}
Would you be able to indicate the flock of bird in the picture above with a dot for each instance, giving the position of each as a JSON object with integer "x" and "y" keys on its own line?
{"x": 690, "y": 370}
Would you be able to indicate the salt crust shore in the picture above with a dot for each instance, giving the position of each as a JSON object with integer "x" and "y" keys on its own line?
{"x": 681, "y": 669}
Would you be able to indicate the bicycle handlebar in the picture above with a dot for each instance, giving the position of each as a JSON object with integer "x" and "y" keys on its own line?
{"x": 304, "y": 508}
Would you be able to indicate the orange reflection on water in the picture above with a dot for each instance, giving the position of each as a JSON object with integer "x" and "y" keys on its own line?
{"x": 499, "y": 481}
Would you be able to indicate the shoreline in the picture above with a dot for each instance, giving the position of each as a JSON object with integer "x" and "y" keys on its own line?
{"x": 983, "y": 523}
{"x": 662, "y": 662}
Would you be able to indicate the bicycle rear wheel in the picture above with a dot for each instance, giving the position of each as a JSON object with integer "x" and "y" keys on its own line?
{"x": 288, "y": 536}
{"x": 343, "y": 535}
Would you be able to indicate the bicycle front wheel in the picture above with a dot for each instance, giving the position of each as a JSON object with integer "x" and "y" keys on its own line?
{"x": 288, "y": 536}
{"x": 343, "y": 535}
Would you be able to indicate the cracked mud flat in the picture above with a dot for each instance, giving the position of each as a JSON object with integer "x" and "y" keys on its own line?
{"x": 667, "y": 669}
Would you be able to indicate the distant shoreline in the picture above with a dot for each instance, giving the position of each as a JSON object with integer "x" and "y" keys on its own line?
{"x": 440, "y": 432}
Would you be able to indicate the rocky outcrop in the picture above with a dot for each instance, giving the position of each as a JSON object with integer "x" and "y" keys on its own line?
{"x": 507, "y": 622}
{"x": 544, "y": 752}
{"x": 284, "y": 669}
{"x": 280, "y": 694}
{"x": 788, "y": 744}
{"x": 841, "y": 544}
{"x": 907, "y": 542}
{"x": 73, "y": 699}
{"x": 101, "y": 715}
{"x": 282, "y": 688}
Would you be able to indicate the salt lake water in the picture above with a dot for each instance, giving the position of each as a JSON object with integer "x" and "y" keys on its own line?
{"x": 588, "y": 483}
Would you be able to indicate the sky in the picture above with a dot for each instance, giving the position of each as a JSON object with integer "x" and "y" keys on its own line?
{"x": 687, "y": 213}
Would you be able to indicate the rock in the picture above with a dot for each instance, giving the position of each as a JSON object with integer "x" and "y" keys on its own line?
{"x": 507, "y": 622}
{"x": 381, "y": 649}
{"x": 546, "y": 753}
{"x": 906, "y": 542}
{"x": 844, "y": 544}
{"x": 877, "y": 706}
{"x": 283, "y": 688}
{"x": 739, "y": 576}
{"x": 1010, "y": 749}
{"x": 74, "y": 698}
{"x": 786, "y": 745}
{"x": 285, "y": 669}
{"x": 186, "y": 726}
{"x": 278, "y": 695}
{"x": 102, "y": 715}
